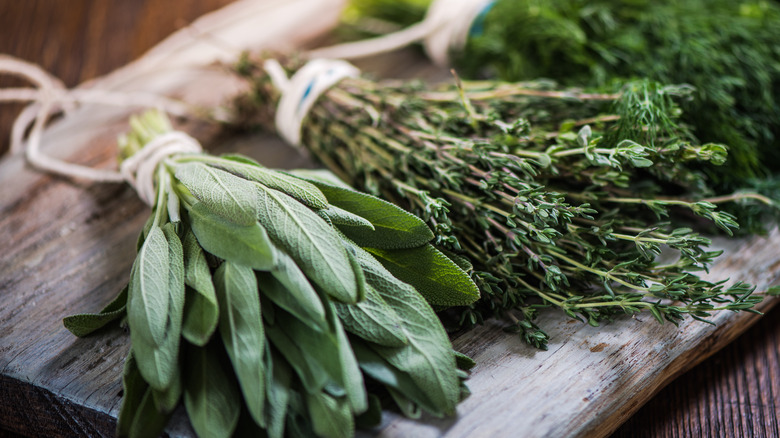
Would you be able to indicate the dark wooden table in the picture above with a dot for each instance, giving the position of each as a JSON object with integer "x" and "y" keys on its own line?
{"x": 732, "y": 394}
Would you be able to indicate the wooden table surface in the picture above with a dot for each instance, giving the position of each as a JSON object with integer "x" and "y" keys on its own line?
{"x": 732, "y": 394}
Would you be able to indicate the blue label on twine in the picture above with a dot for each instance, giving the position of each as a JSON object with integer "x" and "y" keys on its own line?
{"x": 478, "y": 25}
{"x": 307, "y": 92}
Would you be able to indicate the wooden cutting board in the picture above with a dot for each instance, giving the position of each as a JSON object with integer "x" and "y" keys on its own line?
{"x": 68, "y": 246}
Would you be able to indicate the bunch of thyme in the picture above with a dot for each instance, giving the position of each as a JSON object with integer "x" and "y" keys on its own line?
{"x": 556, "y": 197}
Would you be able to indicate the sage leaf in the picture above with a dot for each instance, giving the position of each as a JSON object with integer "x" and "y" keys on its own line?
{"x": 145, "y": 230}
{"x": 211, "y": 397}
{"x": 223, "y": 193}
{"x": 148, "y": 300}
{"x": 287, "y": 286}
{"x": 433, "y": 274}
{"x": 408, "y": 407}
{"x": 393, "y": 227}
{"x": 372, "y": 417}
{"x": 278, "y": 378}
{"x": 373, "y": 320}
{"x": 201, "y": 312}
{"x": 380, "y": 370}
{"x": 84, "y": 324}
{"x": 241, "y": 327}
{"x": 246, "y": 245}
{"x": 303, "y": 191}
{"x": 314, "y": 355}
{"x": 321, "y": 176}
{"x": 463, "y": 362}
{"x": 339, "y": 216}
{"x": 352, "y": 378}
{"x": 147, "y": 422}
{"x": 428, "y": 356}
{"x": 311, "y": 242}
{"x": 330, "y": 416}
{"x": 158, "y": 363}
{"x": 298, "y": 418}
{"x": 133, "y": 389}
{"x": 166, "y": 401}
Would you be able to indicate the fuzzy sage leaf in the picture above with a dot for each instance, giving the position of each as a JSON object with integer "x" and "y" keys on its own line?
{"x": 84, "y": 324}
{"x": 311, "y": 242}
{"x": 242, "y": 333}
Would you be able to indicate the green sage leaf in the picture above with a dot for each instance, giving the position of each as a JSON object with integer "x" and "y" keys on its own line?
{"x": 380, "y": 370}
{"x": 241, "y": 327}
{"x": 352, "y": 378}
{"x": 278, "y": 378}
{"x": 158, "y": 362}
{"x": 287, "y": 286}
{"x": 201, "y": 312}
{"x": 311, "y": 242}
{"x": 166, "y": 401}
{"x": 372, "y": 417}
{"x": 428, "y": 356}
{"x": 148, "y": 299}
{"x": 133, "y": 389}
{"x": 433, "y": 274}
{"x": 303, "y": 191}
{"x": 393, "y": 227}
{"x": 223, "y": 193}
{"x": 407, "y": 406}
{"x": 148, "y": 422}
{"x": 314, "y": 355}
{"x": 339, "y": 216}
{"x": 211, "y": 396}
{"x": 373, "y": 320}
{"x": 84, "y": 324}
{"x": 330, "y": 416}
{"x": 246, "y": 245}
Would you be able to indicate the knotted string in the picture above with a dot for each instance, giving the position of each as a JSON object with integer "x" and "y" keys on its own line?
{"x": 299, "y": 93}
{"x": 51, "y": 96}
{"x": 446, "y": 27}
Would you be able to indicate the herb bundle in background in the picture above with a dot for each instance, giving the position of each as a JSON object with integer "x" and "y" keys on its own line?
{"x": 261, "y": 300}
{"x": 729, "y": 51}
{"x": 557, "y": 197}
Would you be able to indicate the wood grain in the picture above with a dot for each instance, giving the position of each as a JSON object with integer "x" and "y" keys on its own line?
{"x": 85, "y": 253}
{"x": 77, "y": 40}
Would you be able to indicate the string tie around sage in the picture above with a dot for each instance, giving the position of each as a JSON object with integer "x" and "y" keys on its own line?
{"x": 299, "y": 93}
{"x": 446, "y": 28}
{"x": 50, "y": 97}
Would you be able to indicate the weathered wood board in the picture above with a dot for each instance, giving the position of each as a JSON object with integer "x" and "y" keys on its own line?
{"x": 68, "y": 246}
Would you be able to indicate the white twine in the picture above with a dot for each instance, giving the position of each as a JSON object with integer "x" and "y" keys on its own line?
{"x": 51, "y": 96}
{"x": 446, "y": 28}
{"x": 138, "y": 170}
{"x": 301, "y": 91}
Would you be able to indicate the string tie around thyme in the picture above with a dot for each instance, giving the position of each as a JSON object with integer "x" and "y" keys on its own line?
{"x": 299, "y": 93}
{"x": 446, "y": 28}
{"x": 51, "y": 97}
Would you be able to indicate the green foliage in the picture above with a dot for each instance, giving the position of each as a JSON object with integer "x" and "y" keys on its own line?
{"x": 86, "y": 323}
{"x": 243, "y": 250}
{"x": 728, "y": 51}
{"x": 557, "y": 197}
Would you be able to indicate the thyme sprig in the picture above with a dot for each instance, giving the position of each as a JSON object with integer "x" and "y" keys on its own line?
{"x": 557, "y": 197}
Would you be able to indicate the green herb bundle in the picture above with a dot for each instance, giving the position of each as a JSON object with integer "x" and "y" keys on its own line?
{"x": 268, "y": 296}
{"x": 557, "y": 197}
{"x": 729, "y": 51}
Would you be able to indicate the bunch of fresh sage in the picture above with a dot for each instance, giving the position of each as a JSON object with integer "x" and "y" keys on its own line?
{"x": 278, "y": 298}
{"x": 558, "y": 197}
